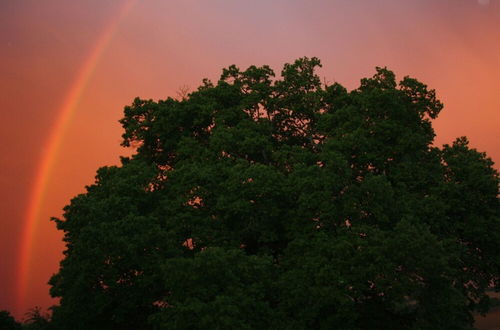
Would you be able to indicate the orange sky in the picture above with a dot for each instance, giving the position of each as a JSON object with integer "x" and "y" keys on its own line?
{"x": 158, "y": 46}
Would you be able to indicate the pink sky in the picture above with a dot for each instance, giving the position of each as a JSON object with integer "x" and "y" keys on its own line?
{"x": 451, "y": 45}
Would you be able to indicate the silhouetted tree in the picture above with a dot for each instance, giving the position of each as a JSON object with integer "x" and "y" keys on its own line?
{"x": 259, "y": 202}
{"x": 8, "y": 322}
{"x": 35, "y": 319}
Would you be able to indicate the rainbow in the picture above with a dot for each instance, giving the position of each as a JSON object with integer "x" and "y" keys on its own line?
{"x": 52, "y": 147}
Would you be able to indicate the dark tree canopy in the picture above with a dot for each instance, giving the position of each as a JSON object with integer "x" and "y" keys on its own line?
{"x": 8, "y": 322}
{"x": 281, "y": 203}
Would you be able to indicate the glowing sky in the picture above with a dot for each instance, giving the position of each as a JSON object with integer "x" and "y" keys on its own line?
{"x": 90, "y": 58}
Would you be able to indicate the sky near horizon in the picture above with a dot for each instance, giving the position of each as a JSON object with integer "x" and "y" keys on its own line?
{"x": 67, "y": 69}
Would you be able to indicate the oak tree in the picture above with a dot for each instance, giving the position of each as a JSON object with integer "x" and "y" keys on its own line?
{"x": 281, "y": 202}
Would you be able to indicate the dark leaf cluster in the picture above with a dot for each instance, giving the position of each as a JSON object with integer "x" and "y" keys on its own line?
{"x": 259, "y": 202}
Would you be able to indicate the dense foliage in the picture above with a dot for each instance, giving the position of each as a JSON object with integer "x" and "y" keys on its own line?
{"x": 7, "y": 321}
{"x": 261, "y": 202}
{"x": 34, "y": 319}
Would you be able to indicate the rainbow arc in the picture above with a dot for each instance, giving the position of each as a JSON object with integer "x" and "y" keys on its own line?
{"x": 53, "y": 145}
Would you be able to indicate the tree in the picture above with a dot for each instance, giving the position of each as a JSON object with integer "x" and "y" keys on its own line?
{"x": 263, "y": 202}
{"x": 36, "y": 320}
{"x": 8, "y": 322}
